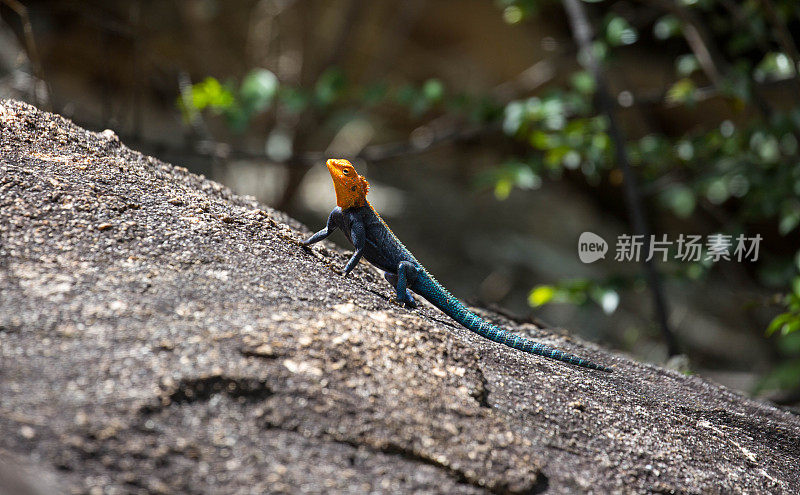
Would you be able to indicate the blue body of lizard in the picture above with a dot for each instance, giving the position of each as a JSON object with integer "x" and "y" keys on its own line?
{"x": 374, "y": 241}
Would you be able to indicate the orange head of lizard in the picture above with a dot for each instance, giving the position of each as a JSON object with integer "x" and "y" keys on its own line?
{"x": 351, "y": 188}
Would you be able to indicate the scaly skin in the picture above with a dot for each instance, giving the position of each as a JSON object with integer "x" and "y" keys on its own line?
{"x": 374, "y": 241}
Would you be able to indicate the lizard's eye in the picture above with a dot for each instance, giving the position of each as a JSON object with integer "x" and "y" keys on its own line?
{"x": 346, "y": 172}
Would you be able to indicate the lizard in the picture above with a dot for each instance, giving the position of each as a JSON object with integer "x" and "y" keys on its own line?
{"x": 374, "y": 241}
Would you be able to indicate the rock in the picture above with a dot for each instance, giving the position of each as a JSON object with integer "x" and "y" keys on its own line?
{"x": 195, "y": 347}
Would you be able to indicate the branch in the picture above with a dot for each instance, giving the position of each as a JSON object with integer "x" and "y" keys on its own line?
{"x": 783, "y": 36}
{"x": 30, "y": 44}
{"x": 703, "y": 47}
{"x": 582, "y": 32}
{"x": 308, "y": 117}
{"x": 698, "y": 39}
{"x": 422, "y": 139}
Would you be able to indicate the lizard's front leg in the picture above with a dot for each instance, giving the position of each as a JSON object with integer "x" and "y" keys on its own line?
{"x": 333, "y": 224}
{"x": 359, "y": 238}
{"x": 406, "y": 275}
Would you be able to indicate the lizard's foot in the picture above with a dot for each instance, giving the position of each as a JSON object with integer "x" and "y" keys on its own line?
{"x": 409, "y": 302}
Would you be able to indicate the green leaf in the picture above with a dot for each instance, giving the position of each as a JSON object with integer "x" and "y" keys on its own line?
{"x": 778, "y": 322}
{"x": 791, "y": 326}
{"x": 620, "y": 32}
{"x": 680, "y": 199}
{"x": 766, "y": 147}
{"x": 513, "y": 14}
{"x": 717, "y": 191}
{"x": 433, "y": 90}
{"x": 514, "y": 117}
{"x": 681, "y": 92}
{"x": 541, "y": 295}
{"x": 789, "y": 222}
{"x": 502, "y": 188}
{"x": 258, "y": 90}
{"x": 774, "y": 66}
{"x": 211, "y": 94}
{"x": 541, "y": 140}
{"x": 667, "y": 27}
{"x": 686, "y": 65}
{"x": 583, "y": 82}
{"x": 330, "y": 86}
{"x": 790, "y": 217}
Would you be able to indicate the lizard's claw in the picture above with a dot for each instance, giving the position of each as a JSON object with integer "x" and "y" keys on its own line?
{"x": 410, "y": 303}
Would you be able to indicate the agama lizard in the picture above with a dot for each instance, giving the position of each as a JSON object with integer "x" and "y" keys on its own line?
{"x": 374, "y": 241}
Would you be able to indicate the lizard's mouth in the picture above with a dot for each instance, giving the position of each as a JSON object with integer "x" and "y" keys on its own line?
{"x": 335, "y": 172}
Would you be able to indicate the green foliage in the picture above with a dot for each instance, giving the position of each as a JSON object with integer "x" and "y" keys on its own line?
{"x": 773, "y": 67}
{"x": 516, "y": 11}
{"x": 255, "y": 94}
{"x": 786, "y": 376}
{"x": 511, "y": 174}
{"x": 421, "y": 99}
{"x": 620, "y": 32}
{"x": 682, "y": 91}
{"x": 746, "y": 165}
{"x": 210, "y": 94}
{"x": 258, "y": 90}
{"x": 667, "y": 27}
{"x": 788, "y": 322}
{"x": 578, "y": 292}
{"x": 330, "y": 87}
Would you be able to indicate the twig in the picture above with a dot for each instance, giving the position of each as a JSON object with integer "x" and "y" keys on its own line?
{"x": 30, "y": 44}
{"x": 529, "y": 80}
{"x": 702, "y": 45}
{"x": 420, "y": 142}
{"x": 136, "y": 56}
{"x": 299, "y": 168}
{"x": 698, "y": 39}
{"x": 783, "y": 36}
{"x": 582, "y": 32}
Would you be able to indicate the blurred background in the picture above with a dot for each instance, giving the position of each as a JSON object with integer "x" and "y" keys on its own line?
{"x": 493, "y": 134}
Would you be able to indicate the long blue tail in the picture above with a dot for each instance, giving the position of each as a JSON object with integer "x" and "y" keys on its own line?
{"x": 427, "y": 287}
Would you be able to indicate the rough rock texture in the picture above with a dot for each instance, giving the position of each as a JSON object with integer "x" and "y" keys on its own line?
{"x": 159, "y": 334}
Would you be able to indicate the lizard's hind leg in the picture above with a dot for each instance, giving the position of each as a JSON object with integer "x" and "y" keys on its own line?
{"x": 392, "y": 279}
{"x": 406, "y": 275}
